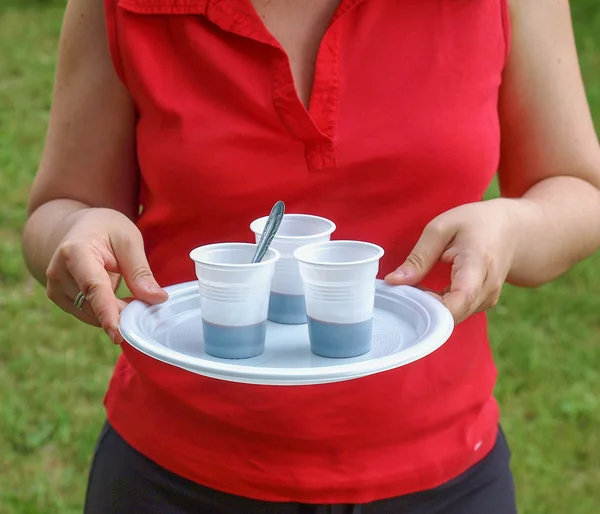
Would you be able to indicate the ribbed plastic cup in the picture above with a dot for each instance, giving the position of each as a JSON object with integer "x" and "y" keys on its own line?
{"x": 235, "y": 298}
{"x": 287, "y": 304}
{"x": 339, "y": 284}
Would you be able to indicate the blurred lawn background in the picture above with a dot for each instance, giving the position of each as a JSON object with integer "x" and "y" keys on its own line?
{"x": 54, "y": 371}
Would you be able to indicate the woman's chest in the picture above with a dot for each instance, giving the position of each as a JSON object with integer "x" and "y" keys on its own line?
{"x": 298, "y": 26}
{"x": 403, "y": 95}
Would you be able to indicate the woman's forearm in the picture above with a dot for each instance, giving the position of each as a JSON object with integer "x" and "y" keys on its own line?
{"x": 558, "y": 221}
{"x": 44, "y": 230}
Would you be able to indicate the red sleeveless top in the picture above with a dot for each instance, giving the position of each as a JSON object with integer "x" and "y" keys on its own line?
{"x": 402, "y": 126}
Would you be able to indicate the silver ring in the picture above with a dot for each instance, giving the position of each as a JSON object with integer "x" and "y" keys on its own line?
{"x": 79, "y": 301}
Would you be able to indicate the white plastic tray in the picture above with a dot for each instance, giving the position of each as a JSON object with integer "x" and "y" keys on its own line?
{"x": 408, "y": 325}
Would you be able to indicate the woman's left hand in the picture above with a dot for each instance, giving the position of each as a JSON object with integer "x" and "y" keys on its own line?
{"x": 479, "y": 240}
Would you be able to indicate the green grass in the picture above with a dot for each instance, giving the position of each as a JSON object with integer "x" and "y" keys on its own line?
{"x": 54, "y": 371}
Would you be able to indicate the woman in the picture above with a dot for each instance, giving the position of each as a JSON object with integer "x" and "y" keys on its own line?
{"x": 175, "y": 123}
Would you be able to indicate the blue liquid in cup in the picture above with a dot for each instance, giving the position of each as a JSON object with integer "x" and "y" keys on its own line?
{"x": 287, "y": 309}
{"x": 228, "y": 342}
{"x": 340, "y": 340}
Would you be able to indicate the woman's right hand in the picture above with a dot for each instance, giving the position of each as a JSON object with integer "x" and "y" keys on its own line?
{"x": 101, "y": 246}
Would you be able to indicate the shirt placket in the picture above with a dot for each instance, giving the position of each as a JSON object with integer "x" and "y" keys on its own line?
{"x": 314, "y": 127}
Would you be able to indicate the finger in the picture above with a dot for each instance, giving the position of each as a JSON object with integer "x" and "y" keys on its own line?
{"x": 64, "y": 291}
{"x": 435, "y": 294}
{"x": 493, "y": 296}
{"x": 63, "y": 294}
{"x": 72, "y": 291}
{"x": 428, "y": 289}
{"x": 469, "y": 273}
{"x": 429, "y": 248}
{"x": 93, "y": 281}
{"x": 87, "y": 315}
{"x": 124, "y": 302}
{"x": 133, "y": 264}
{"x": 64, "y": 282}
{"x": 70, "y": 287}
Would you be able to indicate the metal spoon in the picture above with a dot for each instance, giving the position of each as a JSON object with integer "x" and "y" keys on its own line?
{"x": 271, "y": 228}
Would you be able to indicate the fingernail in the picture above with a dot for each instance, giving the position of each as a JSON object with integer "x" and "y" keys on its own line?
{"x": 399, "y": 273}
{"x": 112, "y": 334}
{"x": 154, "y": 288}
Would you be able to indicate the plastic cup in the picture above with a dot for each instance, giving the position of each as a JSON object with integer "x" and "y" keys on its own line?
{"x": 287, "y": 304}
{"x": 339, "y": 284}
{"x": 235, "y": 298}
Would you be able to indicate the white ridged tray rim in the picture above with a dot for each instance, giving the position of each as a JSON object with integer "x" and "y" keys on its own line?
{"x": 439, "y": 328}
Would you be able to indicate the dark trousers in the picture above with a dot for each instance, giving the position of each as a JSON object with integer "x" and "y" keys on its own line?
{"x": 123, "y": 481}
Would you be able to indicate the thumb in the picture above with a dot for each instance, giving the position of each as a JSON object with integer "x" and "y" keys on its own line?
{"x": 429, "y": 248}
{"x": 133, "y": 265}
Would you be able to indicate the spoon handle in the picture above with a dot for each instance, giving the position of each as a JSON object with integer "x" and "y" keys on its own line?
{"x": 271, "y": 227}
